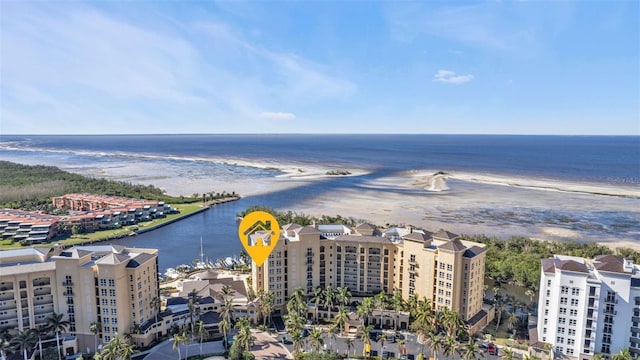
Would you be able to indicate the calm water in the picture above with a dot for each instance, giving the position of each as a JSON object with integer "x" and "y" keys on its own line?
{"x": 610, "y": 161}
{"x": 599, "y": 159}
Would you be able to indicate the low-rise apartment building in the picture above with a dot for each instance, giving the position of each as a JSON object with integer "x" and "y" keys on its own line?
{"x": 112, "y": 285}
{"x": 440, "y": 266}
{"x": 588, "y": 306}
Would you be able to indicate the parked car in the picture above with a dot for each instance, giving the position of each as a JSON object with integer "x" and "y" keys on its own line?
{"x": 492, "y": 349}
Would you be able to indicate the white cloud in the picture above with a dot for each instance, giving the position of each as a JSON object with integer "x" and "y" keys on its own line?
{"x": 450, "y": 77}
{"x": 277, "y": 115}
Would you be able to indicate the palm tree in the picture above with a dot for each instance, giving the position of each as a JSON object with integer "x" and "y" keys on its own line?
{"x": 434, "y": 343}
{"x": 126, "y": 351}
{"x": 507, "y": 354}
{"x": 597, "y": 356}
{"x": 382, "y": 339}
{"x": 530, "y": 293}
{"x": 226, "y": 311}
{"x": 202, "y": 333}
{"x": 56, "y": 324}
{"x": 267, "y": 300}
{"x": 397, "y": 303}
{"x": 512, "y": 321}
{"x": 178, "y": 339}
{"x": 297, "y": 339}
{"x": 341, "y": 320}
{"x": 349, "y": 343}
{"x": 317, "y": 299}
{"x": 95, "y": 327}
{"x": 223, "y": 325}
{"x": 470, "y": 350}
{"x": 624, "y": 354}
{"x": 331, "y": 334}
{"x": 329, "y": 299}
{"x": 364, "y": 309}
{"x": 364, "y": 335}
{"x": 381, "y": 303}
{"x": 156, "y": 304}
{"x": 5, "y": 344}
{"x": 38, "y": 333}
{"x": 449, "y": 346}
{"x": 343, "y": 296}
{"x": 500, "y": 305}
{"x": 452, "y": 322}
{"x": 315, "y": 337}
{"x": 243, "y": 338}
{"x": 23, "y": 341}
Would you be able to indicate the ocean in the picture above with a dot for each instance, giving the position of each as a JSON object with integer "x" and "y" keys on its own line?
{"x": 584, "y": 188}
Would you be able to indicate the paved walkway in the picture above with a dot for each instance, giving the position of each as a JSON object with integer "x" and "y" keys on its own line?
{"x": 264, "y": 347}
{"x": 165, "y": 350}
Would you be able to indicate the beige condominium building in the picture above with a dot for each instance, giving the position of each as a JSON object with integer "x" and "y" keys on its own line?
{"x": 438, "y": 266}
{"x": 110, "y": 284}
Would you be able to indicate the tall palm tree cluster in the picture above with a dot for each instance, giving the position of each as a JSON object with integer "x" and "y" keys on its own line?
{"x": 28, "y": 341}
{"x": 195, "y": 330}
{"x": 442, "y": 331}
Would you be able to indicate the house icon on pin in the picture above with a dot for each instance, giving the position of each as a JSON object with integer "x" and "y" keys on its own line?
{"x": 259, "y": 234}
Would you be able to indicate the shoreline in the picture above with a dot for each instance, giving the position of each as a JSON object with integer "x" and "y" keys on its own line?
{"x": 125, "y": 234}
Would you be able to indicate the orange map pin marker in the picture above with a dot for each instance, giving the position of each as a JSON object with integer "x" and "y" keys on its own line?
{"x": 259, "y": 233}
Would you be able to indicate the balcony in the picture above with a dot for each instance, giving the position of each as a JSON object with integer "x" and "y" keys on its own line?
{"x": 67, "y": 283}
{"x": 46, "y": 310}
{"x": 46, "y": 299}
{"x": 6, "y": 295}
{"x": 42, "y": 282}
{"x": 42, "y": 291}
{"x": 7, "y": 304}
{"x": 68, "y": 293}
{"x": 11, "y": 314}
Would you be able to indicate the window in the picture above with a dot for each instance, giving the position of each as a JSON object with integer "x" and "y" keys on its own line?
{"x": 574, "y": 302}
{"x": 573, "y": 312}
{"x": 562, "y": 320}
{"x": 560, "y": 340}
{"x": 103, "y": 282}
{"x": 571, "y": 332}
{"x": 563, "y": 301}
{"x": 560, "y": 330}
{"x": 112, "y": 292}
{"x": 563, "y": 311}
{"x": 112, "y": 283}
{"x": 575, "y": 291}
{"x": 572, "y": 322}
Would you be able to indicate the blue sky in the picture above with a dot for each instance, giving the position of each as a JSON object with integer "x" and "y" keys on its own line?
{"x": 499, "y": 67}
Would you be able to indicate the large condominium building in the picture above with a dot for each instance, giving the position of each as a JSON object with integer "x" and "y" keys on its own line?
{"x": 113, "y": 285}
{"x": 93, "y": 202}
{"x": 588, "y": 306}
{"x": 32, "y": 227}
{"x": 440, "y": 266}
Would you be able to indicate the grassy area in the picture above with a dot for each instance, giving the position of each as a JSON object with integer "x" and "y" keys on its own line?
{"x": 185, "y": 210}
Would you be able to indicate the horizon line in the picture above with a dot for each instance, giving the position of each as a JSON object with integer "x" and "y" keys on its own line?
{"x": 319, "y": 133}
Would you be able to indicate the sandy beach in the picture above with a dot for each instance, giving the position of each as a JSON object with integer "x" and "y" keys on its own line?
{"x": 462, "y": 203}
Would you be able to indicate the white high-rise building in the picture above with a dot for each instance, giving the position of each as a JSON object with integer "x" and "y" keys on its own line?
{"x": 589, "y": 306}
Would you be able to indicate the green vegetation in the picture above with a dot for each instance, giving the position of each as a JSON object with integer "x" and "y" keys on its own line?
{"x": 290, "y": 217}
{"x": 32, "y": 187}
{"x": 517, "y": 259}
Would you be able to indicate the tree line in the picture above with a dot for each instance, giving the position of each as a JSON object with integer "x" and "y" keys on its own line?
{"x": 516, "y": 260}
{"x": 30, "y": 187}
